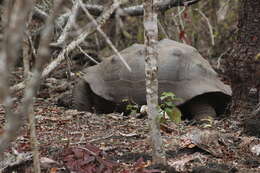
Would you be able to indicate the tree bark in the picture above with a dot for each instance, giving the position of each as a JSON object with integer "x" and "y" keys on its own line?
{"x": 151, "y": 72}
{"x": 243, "y": 66}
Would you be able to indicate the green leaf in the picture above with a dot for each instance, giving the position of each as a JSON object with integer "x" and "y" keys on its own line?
{"x": 174, "y": 114}
{"x": 167, "y": 95}
{"x": 132, "y": 107}
{"x": 169, "y": 104}
{"x": 169, "y": 112}
{"x": 128, "y": 107}
{"x": 163, "y": 120}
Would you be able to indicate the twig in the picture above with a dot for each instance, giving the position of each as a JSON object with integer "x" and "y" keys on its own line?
{"x": 87, "y": 55}
{"x": 109, "y": 42}
{"x": 70, "y": 23}
{"x": 93, "y": 140}
{"x": 96, "y": 10}
{"x": 181, "y": 21}
{"x": 91, "y": 152}
{"x": 102, "y": 138}
{"x": 180, "y": 11}
{"x": 222, "y": 10}
{"x": 90, "y": 28}
{"x": 40, "y": 14}
{"x": 162, "y": 29}
{"x": 220, "y": 57}
{"x": 81, "y": 141}
{"x": 257, "y": 110}
{"x": 138, "y": 10}
{"x": 209, "y": 25}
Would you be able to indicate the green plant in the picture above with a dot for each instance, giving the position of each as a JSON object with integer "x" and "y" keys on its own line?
{"x": 168, "y": 108}
{"x": 131, "y": 107}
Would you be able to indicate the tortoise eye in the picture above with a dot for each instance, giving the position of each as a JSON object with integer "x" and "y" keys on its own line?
{"x": 113, "y": 60}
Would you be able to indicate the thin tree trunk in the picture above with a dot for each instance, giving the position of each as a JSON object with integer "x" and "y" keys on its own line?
{"x": 15, "y": 20}
{"x": 151, "y": 71}
{"x": 33, "y": 140}
{"x": 243, "y": 64}
{"x": 35, "y": 81}
{"x": 26, "y": 59}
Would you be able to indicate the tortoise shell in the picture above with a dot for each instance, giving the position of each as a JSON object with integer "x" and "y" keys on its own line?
{"x": 182, "y": 70}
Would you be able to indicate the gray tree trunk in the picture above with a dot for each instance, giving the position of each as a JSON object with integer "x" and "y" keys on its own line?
{"x": 243, "y": 64}
{"x": 151, "y": 71}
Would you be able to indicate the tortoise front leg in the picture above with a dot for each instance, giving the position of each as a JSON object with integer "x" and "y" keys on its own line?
{"x": 84, "y": 99}
{"x": 81, "y": 97}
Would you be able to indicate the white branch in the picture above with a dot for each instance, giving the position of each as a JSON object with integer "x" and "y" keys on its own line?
{"x": 70, "y": 23}
{"x": 209, "y": 25}
{"x": 90, "y": 28}
{"x": 109, "y": 42}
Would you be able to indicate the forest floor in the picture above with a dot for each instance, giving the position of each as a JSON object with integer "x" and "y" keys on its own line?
{"x": 74, "y": 141}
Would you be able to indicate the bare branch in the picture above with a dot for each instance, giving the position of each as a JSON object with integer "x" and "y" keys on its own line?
{"x": 70, "y": 23}
{"x": 181, "y": 21}
{"x": 209, "y": 25}
{"x": 87, "y": 55}
{"x": 138, "y": 10}
{"x": 40, "y": 14}
{"x": 109, "y": 42}
{"x": 89, "y": 29}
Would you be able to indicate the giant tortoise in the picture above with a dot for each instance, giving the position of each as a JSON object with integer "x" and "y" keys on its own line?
{"x": 182, "y": 70}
